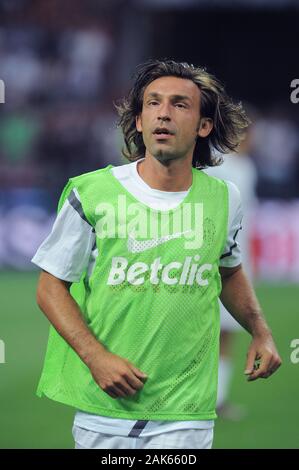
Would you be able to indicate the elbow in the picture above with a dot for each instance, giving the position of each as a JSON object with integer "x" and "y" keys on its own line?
{"x": 45, "y": 286}
{"x": 49, "y": 287}
{"x": 40, "y": 293}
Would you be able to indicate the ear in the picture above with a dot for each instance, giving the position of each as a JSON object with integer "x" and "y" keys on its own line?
{"x": 138, "y": 123}
{"x": 205, "y": 127}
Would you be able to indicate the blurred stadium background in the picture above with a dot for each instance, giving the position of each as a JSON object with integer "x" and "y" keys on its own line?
{"x": 63, "y": 65}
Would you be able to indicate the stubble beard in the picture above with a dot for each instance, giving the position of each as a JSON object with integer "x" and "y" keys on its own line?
{"x": 165, "y": 157}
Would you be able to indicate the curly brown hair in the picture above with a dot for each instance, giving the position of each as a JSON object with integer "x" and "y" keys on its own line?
{"x": 229, "y": 118}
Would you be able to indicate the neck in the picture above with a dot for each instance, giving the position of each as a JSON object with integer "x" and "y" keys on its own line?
{"x": 177, "y": 176}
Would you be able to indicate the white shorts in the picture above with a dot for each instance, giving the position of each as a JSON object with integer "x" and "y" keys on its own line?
{"x": 181, "y": 439}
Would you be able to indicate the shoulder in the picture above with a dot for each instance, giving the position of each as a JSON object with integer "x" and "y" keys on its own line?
{"x": 90, "y": 177}
{"x": 234, "y": 200}
{"x": 210, "y": 179}
{"x": 235, "y": 204}
{"x": 234, "y": 196}
{"x": 232, "y": 188}
{"x": 82, "y": 189}
{"x": 227, "y": 186}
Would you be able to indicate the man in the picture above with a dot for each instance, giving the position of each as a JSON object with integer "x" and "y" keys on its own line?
{"x": 135, "y": 342}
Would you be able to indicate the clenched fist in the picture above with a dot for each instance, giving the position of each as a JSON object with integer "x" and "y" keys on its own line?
{"x": 115, "y": 375}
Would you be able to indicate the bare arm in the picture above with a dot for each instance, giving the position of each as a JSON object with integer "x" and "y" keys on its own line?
{"x": 62, "y": 311}
{"x": 115, "y": 375}
{"x": 239, "y": 299}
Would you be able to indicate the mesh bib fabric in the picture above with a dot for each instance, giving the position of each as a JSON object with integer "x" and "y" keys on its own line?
{"x": 150, "y": 299}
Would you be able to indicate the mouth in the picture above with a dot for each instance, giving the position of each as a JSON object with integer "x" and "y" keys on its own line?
{"x": 162, "y": 133}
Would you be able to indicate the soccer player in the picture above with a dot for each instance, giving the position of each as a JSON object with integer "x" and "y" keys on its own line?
{"x": 132, "y": 271}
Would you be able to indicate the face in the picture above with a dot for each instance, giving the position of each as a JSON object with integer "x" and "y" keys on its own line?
{"x": 170, "y": 120}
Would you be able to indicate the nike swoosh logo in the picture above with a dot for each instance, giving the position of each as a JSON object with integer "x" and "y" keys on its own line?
{"x": 138, "y": 246}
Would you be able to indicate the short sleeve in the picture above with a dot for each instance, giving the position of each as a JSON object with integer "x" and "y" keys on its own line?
{"x": 66, "y": 251}
{"x": 231, "y": 255}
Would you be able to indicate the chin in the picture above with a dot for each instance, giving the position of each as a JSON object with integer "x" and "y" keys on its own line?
{"x": 164, "y": 157}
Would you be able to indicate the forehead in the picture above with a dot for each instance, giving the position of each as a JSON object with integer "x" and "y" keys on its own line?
{"x": 168, "y": 86}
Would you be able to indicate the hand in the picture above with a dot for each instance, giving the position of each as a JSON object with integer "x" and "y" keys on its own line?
{"x": 262, "y": 358}
{"x": 115, "y": 375}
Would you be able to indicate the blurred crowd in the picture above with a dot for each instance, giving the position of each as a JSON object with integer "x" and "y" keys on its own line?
{"x": 58, "y": 118}
{"x": 64, "y": 64}
{"x": 60, "y": 74}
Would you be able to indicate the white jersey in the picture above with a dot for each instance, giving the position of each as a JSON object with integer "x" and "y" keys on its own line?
{"x": 70, "y": 250}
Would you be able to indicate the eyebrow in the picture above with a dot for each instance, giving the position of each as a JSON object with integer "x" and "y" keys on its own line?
{"x": 174, "y": 97}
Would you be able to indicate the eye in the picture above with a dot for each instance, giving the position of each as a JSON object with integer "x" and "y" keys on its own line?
{"x": 153, "y": 103}
{"x": 180, "y": 105}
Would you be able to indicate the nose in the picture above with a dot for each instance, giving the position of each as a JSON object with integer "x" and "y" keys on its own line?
{"x": 164, "y": 112}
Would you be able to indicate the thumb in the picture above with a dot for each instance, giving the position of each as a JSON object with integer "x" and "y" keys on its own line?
{"x": 250, "y": 361}
{"x": 139, "y": 373}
